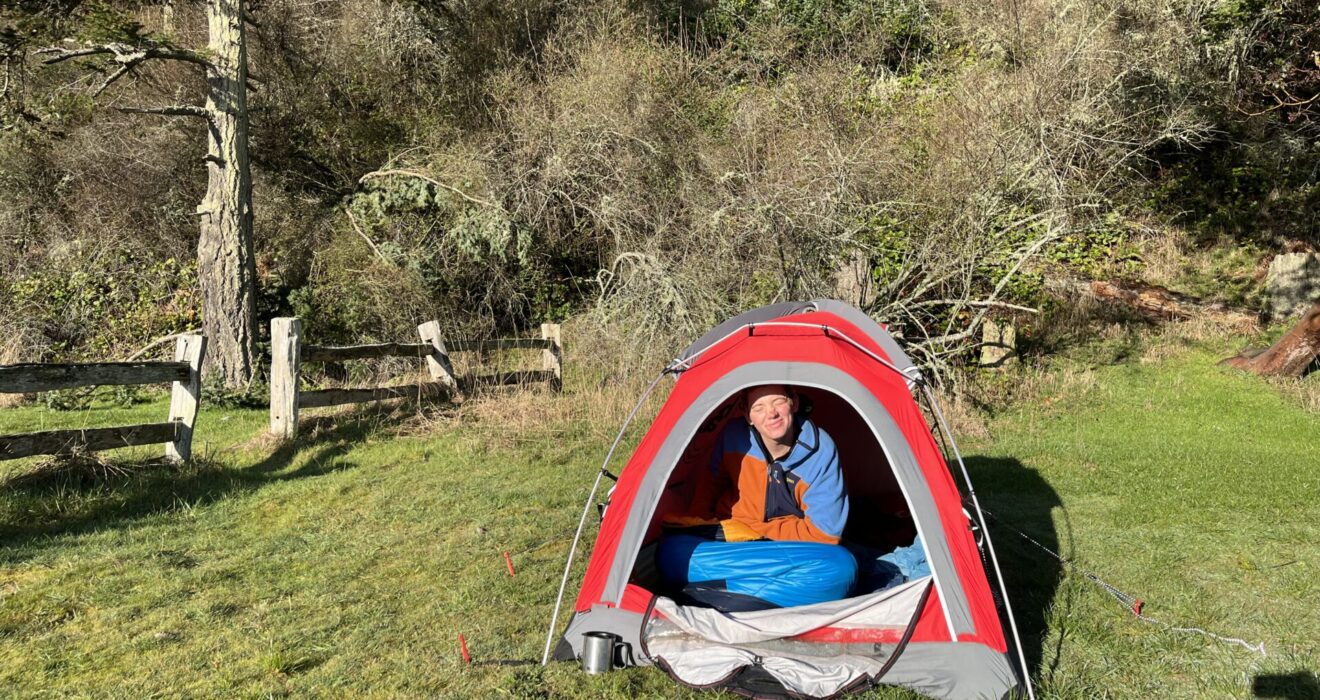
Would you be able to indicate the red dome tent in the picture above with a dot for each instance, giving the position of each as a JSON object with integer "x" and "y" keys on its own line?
{"x": 943, "y": 635}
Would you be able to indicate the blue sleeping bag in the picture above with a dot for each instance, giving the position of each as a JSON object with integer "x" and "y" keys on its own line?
{"x": 740, "y": 576}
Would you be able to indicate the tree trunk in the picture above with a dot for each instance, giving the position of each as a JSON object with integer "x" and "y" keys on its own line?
{"x": 225, "y": 266}
{"x": 1291, "y": 356}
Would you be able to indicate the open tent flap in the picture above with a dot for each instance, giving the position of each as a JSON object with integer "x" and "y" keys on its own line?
{"x": 814, "y": 650}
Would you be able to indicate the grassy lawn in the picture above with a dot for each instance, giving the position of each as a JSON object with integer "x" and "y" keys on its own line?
{"x": 346, "y": 563}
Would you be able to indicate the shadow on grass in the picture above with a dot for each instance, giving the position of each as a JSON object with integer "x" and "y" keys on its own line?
{"x": 87, "y": 494}
{"x": 1015, "y": 496}
{"x": 1301, "y": 685}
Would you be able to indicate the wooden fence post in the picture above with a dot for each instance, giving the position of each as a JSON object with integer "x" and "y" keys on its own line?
{"x": 552, "y": 358}
{"x": 185, "y": 397}
{"x": 442, "y": 370}
{"x": 285, "y": 357}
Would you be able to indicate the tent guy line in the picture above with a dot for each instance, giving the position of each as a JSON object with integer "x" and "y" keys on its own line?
{"x": 1134, "y": 604}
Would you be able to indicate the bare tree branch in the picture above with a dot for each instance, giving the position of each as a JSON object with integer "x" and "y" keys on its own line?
{"x": 126, "y": 53}
{"x": 158, "y": 342}
{"x": 353, "y": 220}
{"x": 975, "y": 323}
{"x": 4, "y": 88}
{"x": 437, "y": 183}
{"x": 119, "y": 73}
{"x": 983, "y": 302}
{"x": 171, "y": 111}
{"x": 127, "y": 56}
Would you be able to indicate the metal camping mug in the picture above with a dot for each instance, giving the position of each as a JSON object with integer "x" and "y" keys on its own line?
{"x": 598, "y": 651}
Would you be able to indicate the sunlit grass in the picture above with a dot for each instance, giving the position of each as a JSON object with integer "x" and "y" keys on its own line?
{"x": 347, "y": 563}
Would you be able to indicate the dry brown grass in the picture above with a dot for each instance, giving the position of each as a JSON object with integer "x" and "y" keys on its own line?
{"x": 81, "y": 465}
{"x": 1044, "y": 384}
{"x": 15, "y": 347}
{"x": 1304, "y": 392}
{"x": 1174, "y": 337}
{"x": 602, "y": 384}
{"x": 965, "y": 419}
{"x": 604, "y": 377}
{"x": 1164, "y": 254}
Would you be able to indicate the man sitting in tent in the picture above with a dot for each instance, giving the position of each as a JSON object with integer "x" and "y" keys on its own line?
{"x": 764, "y": 527}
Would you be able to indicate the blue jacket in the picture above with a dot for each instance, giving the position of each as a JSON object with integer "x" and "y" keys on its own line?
{"x": 801, "y": 497}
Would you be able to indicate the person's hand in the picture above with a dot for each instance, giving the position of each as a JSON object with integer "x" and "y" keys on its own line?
{"x": 687, "y": 520}
{"x": 738, "y": 531}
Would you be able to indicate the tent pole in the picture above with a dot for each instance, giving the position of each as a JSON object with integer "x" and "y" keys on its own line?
{"x": 582, "y": 522}
{"x": 989, "y": 543}
{"x": 554, "y": 618}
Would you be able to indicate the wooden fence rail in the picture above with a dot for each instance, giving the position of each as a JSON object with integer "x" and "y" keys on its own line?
{"x": 288, "y": 352}
{"x": 184, "y": 372}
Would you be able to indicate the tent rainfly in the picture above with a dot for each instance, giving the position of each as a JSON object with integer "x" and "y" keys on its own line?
{"x": 947, "y": 635}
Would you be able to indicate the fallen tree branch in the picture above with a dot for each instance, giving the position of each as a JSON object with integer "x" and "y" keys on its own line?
{"x": 119, "y": 73}
{"x": 125, "y": 54}
{"x": 1295, "y": 352}
{"x": 158, "y": 342}
{"x": 353, "y": 220}
{"x": 983, "y": 302}
{"x": 1152, "y": 303}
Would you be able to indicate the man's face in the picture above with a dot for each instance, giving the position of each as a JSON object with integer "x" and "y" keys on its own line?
{"x": 770, "y": 411}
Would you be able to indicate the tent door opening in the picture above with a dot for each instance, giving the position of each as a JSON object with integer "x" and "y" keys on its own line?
{"x": 879, "y": 518}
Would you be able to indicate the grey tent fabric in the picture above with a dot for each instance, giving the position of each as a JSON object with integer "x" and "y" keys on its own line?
{"x": 945, "y": 670}
{"x": 759, "y": 315}
{"x": 625, "y": 623}
{"x": 953, "y": 671}
{"x": 894, "y": 607}
{"x": 846, "y": 311}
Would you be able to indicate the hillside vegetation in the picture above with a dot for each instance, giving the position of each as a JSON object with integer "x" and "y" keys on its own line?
{"x": 497, "y": 164}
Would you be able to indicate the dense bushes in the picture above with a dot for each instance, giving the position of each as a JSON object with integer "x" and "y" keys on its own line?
{"x": 497, "y": 164}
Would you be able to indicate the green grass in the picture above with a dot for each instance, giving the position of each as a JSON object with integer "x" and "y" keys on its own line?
{"x": 346, "y": 564}
{"x": 1190, "y": 486}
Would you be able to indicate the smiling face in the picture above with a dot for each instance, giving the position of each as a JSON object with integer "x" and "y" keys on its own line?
{"x": 770, "y": 410}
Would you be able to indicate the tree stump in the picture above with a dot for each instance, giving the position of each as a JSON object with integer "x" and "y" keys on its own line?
{"x": 1292, "y": 283}
{"x": 998, "y": 343}
{"x": 1295, "y": 352}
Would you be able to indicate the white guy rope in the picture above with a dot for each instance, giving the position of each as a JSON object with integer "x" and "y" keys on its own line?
{"x": 1258, "y": 647}
{"x": 1131, "y": 602}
